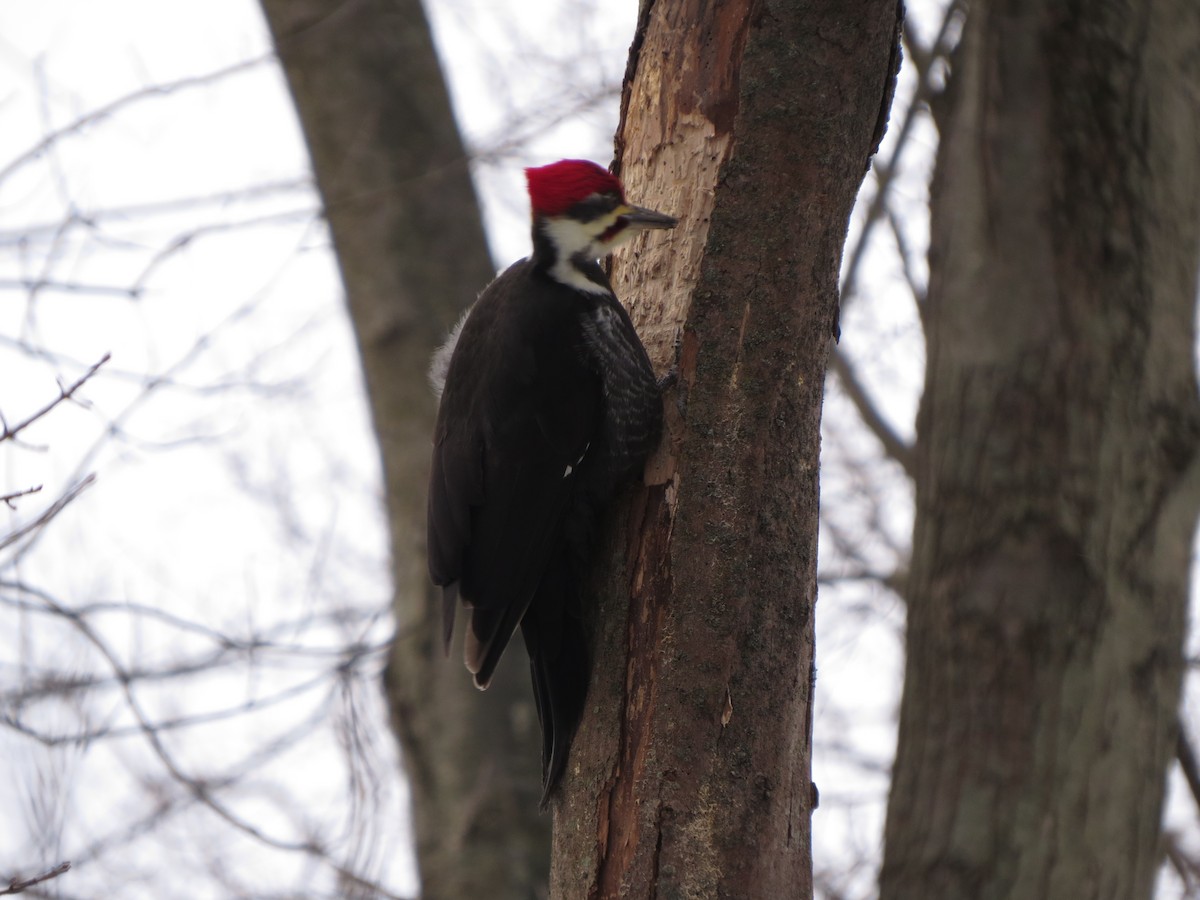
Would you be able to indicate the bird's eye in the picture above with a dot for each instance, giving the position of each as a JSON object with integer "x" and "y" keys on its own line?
{"x": 594, "y": 206}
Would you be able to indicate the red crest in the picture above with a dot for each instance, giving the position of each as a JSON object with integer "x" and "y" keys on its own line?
{"x": 555, "y": 188}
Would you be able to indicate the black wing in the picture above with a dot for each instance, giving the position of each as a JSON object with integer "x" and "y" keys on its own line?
{"x": 520, "y": 408}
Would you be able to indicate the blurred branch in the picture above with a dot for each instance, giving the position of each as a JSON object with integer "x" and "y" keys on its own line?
{"x": 1187, "y": 868}
{"x": 250, "y": 645}
{"x": 149, "y": 209}
{"x": 251, "y": 705}
{"x": 201, "y": 789}
{"x": 69, "y": 287}
{"x": 20, "y": 885}
{"x": 1188, "y": 763}
{"x": 32, "y": 528}
{"x": 103, "y": 112}
{"x": 893, "y": 581}
{"x": 25, "y": 492}
{"x": 64, "y": 393}
{"x": 906, "y": 265}
{"x": 518, "y": 133}
{"x": 877, "y": 209}
{"x": 894, "y": 445}
{"x": 335, "y": 663}
{"x": 198, "y": 787}
{"x": 885, "y": 172}
{"x": 187, "y": 238}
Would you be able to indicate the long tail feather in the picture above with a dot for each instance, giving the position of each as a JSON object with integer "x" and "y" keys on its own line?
{"x": 559, "y": 666}
{"x": 449, "y": 606}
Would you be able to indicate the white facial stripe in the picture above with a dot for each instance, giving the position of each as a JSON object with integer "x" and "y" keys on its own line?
{"x": 572, "y": 238}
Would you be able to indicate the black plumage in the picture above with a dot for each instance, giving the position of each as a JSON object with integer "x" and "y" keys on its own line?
{"x": 549, "y": 403}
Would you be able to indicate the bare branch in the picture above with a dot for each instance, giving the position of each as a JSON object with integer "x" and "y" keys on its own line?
{"x": 9, "y": 498}
{"x": 264, "y": 640}
{"x": 1185, "y": 867}
{"x": 252, "y": 705}
{"x": 32, "y": 528}
{"x": 199, "y": 788}
{"x": 893, "y": 581}
{"x": 910, "y": 274}
{"x": 146, "y": 210}
{"x": 918, "y": 54}
{"x": 64, "y": 393}
{"x": 20, "y": 885}
{"x": 894, "y": 445}
{"x": 885, "y": 172}
{"x": 1188, "y": 763}
{"x": 183, "y": 241}
{"x": 38, "y": 285}
{"x": 103, "y": 112}
{"x": 878, "y": 208}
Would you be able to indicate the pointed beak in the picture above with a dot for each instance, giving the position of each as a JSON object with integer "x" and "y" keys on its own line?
{"x": 639, "y": 218}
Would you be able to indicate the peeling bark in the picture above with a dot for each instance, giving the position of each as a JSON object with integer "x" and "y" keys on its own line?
{"x": 1057, "y": 479}
{"x": 753, "y": 122}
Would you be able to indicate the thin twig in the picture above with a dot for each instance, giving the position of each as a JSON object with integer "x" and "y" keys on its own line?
{"x": 307, "y": 214}
{"x": 1185, "y": 867}
{"x": 51, "y": 511}
{"x": 894, "y": 445}
{"x": 64, "y": 393}
{"x": 1188, "y": 763}
{"x": 151, "y": 208}
{"x": 885, "y": 172}
{"x": 20, "y": 885}
{"x": 878, "y": 209}
{"x": 15, "y": 495}
{"x": 39, "y": 285}
{"x": 200, "y": 789}
{"x": 910, "y": 274}
{"x": 103, "y": 112}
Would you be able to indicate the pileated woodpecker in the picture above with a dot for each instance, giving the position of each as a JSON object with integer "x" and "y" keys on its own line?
{"x": 548, "y": 402}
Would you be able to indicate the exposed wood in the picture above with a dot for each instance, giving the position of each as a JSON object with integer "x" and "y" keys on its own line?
{"x": 753, "y": 122}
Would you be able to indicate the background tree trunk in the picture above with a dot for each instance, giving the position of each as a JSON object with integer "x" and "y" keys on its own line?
{"x": 1057, "y": 478}
{"x": 754, "y": 122}
{"x": 393, "y": 175}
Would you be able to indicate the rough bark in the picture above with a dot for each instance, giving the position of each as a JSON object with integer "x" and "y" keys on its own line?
{"x": 1057, "y": 474}
{"x": 392, "y": 173}
{"x": 753, "y": 122}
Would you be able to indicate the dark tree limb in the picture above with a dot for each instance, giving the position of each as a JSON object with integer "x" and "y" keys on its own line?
{"x": 1057, "y": 458}
{"x": 393, "y": 176}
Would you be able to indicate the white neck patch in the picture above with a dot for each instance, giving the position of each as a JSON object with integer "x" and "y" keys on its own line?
{"x": 572, "y": 240}
{"x": 566, "y": 272}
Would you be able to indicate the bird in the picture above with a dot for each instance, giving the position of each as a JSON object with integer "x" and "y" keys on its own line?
{"x": 547, "y": 403}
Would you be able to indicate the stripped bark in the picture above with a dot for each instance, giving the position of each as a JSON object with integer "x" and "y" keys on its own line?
{"x": 753, "y": 122}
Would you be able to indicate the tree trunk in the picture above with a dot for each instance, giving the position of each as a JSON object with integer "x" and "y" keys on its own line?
{"x": 393, "y": 176}
{"x": 754, "y": 122}
{"x": 1057, "y": 476}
